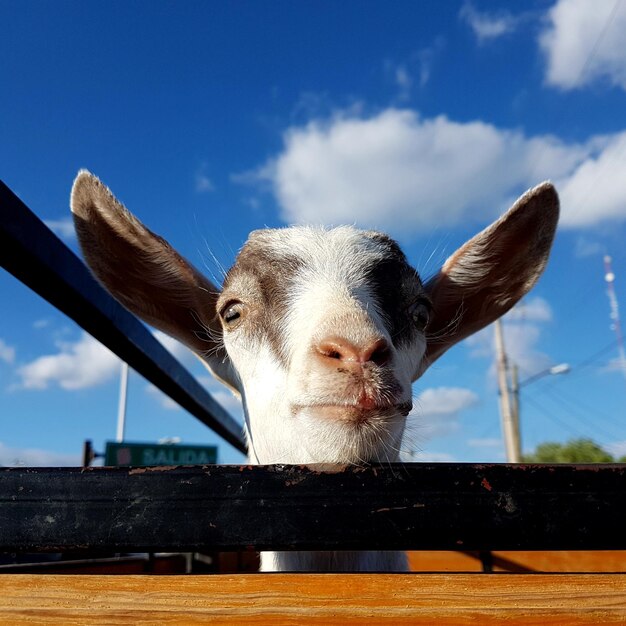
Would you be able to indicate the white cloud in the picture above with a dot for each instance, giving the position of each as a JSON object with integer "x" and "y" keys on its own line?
{"x": 164, "y": 400}
{"x": 178, "y": 350}
{"x": 595, "y": 191}
{"x": 77, "y": 365}
{"x": 617, "y": 449}
{"x": 64, "y": 228}
{"x": 39, "y": 324}
{"x": 183, "y": 355}
{"x": 586, "y": 247}
{"x": 584, "y": 41}
{"x": 614, "y": 365}
{"x": 230, "y": 402}
{"x": 7, "y": 352}
{"x": 522, "y": 331}
{"x": 403, "y": 173}
{"x": 445, "y": 400}
{"x": 436, "y": 410}
{"x": 534, "y": 309}
{"x": 416, "y": 68}
{"x": 425, "y": 58}
{"x": 203, "y": 183}
{"x": 487, "y": 26}
{"x": 32, "y": 457}
{"x": 427, "y": 457}
{"x": 521, "y": 345}
{"x": 219, "y": 392}
{"x": 403, "y": 80}
{"x": 521, "y": 342}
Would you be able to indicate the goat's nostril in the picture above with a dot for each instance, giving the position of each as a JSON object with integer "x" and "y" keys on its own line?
{"x": 339, "y": 349}
{"x": 378, "y": 353}
{"x": 381, "y": 356}
{"x": 330, "y": 349}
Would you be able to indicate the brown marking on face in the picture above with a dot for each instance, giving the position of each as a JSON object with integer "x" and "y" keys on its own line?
{"x": 269, "y": 278}
{"x": 268, "y": 273}
{"x": 396, "y": 285}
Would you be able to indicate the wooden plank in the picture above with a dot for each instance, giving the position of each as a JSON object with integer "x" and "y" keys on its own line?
{"x": 328, "y": 599}
{"x": 414, "y": 506}
{"x": 39, "y": 259}
{"x": 444, "y": 561}
{"x": 564, "y": 561}
{"x": 521, "y": 561}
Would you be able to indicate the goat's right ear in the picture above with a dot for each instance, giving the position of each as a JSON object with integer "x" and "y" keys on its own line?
{"x": 486, "y": 276}
{"x": 146, "y": 275}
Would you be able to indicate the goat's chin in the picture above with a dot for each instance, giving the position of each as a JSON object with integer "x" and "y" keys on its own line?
{"x": 351, "y": 435}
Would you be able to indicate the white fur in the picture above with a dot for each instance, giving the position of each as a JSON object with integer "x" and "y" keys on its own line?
{"x": 330, "y": 296}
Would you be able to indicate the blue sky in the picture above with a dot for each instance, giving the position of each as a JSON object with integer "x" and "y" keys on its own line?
{"x": 425, "y": 120}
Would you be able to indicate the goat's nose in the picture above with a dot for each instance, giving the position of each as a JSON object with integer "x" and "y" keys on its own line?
{"x": 346, "y": 352}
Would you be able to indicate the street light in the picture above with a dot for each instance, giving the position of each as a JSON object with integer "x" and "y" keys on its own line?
{"x": 509, "y": 406}
{"x": 555, "y": 370}
{"x": 561, "y": 368}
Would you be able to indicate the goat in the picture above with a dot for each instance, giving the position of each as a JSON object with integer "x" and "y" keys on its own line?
{"x": 320, "y": 331}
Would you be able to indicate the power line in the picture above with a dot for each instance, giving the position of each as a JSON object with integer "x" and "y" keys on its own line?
{"x": 576, "y": 407}
{"x": 580, "y": 411}
{"x": 583, "y": 414}
{"x": 550, "y": 415}
{"x": 594, "y": 357}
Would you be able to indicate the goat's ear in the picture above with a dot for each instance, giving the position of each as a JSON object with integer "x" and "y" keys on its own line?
{"x": 143, "y": 272}
{"x": 484, "y": 278}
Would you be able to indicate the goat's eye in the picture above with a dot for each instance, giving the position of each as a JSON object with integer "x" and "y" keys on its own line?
{"x": 232, "y": 313}
{"x": 420, "y": 313}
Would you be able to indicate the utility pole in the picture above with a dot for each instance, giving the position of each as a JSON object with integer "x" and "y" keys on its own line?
{"x": 121, "y": 407}
{"x": 616, "y": 325}
{"x": 509, "y": 396}
{"x": 515, "y": 410}
{"x": 510, "y": 430}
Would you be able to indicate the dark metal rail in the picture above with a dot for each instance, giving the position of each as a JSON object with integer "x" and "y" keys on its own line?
{"x": 38, "y": 258}
{"x": 414, "y": 506}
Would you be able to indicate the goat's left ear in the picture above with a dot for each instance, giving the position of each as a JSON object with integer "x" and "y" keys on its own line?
{"x": 486, "y": 276}
{"x": 143, "y": 272}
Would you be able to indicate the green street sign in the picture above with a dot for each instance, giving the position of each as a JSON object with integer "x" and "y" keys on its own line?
{"x": 148, "y": 454}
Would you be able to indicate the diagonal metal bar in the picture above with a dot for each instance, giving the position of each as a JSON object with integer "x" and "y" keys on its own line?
{"x": 37, "y": 257}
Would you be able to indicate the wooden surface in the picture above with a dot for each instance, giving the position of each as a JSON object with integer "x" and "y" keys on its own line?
{"x": 566, "y": 561}
{"x": 539, "y": 599}
{"x": 525, "y": 561}
{"x": 444, "y": 561}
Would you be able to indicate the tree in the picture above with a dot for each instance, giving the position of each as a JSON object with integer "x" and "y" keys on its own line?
{"x": 574, "y": 451}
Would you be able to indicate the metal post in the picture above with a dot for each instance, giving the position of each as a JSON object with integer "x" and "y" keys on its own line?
{"x": 508, "y": 429}
{"x": 517, "y": 433}
{"x": 121, "y": 407}
{"x": 88, "y": 454}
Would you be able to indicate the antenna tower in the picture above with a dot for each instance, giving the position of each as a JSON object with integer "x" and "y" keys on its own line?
{"x": 609, "y": 277}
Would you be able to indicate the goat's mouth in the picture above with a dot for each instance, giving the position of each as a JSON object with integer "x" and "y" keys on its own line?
{"x": 356, "y": 412}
